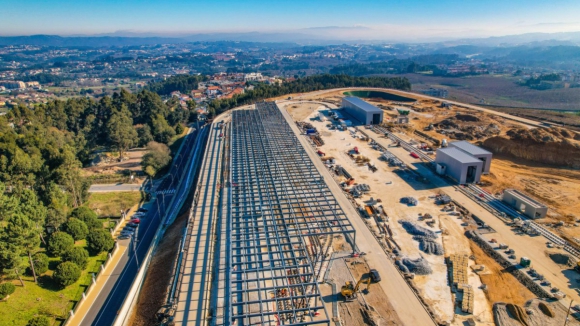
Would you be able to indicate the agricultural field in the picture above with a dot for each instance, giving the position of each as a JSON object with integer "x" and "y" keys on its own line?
{"x": 498, "y": 90}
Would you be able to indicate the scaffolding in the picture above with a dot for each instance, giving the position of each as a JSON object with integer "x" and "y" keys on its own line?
{"x": 281, "y": 217}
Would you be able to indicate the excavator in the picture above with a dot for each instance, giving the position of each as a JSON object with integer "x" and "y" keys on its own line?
{"x": 349, "y": 292}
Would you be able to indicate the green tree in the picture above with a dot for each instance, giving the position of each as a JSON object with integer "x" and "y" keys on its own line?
{"x": 122, "y": 135}
{"x": 88, "y": 216}
{"x": 21, "y": 232}
{"x": 162, "y": 131}
{"x": 144, "y": 135}
{"x": 157, "y": 157}
{"x": 77, "y": 255}
{"x": 66, "y": 273}
{"x": 40, "y": 262}
{"x": 39, "y": 321}
{"x": 99, "y": 241}
{"x": 6, "y": 289}
{"x": 59, "y": 243}
{"x": 76, "y": 228}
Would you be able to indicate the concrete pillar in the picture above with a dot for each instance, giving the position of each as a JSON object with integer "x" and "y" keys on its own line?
{"x": 71, "y": 313}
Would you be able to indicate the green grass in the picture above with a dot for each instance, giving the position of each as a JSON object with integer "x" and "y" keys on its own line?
{"x": 110, "y": 204}
{"x": 46, "y": 298}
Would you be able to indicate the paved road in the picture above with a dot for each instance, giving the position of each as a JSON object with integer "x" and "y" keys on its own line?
{"x": 115, "y": 187}
{"x": 105, "y": 308}
{"x": 403, "y": 299}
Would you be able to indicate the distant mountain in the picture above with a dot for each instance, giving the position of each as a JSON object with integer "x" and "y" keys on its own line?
{"x": 567, "y": 38}
{"x": 85, "y": 41}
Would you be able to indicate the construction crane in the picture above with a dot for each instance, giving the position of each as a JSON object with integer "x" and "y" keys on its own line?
{"x": 349, "y": 292}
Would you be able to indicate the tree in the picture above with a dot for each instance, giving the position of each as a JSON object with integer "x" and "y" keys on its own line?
{"x": 122, "y": 135}
{"x": 162, "y": 131}
{"x": 6, "y": 289}
{"x": 21, "y": 232}
{"x": 77, "y": 255}
{"x": 59, "y": 243}
{"x": 39, "y": 321}
{"x": 179, "y": 129}
{"x": 99, "y": 241}
{"x": 157, "y": 157}
{"x": 88, "y": 216}
{"x": 144, "y": 135}
{"x": 76, "y": 228}
{"x": 40, "y": 263}
{"x": 66, "y": 273}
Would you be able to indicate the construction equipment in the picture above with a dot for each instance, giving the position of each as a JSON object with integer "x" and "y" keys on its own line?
{"x": 349, "y": 292}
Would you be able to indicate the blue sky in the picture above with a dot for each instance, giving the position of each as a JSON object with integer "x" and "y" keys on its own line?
{"x": 386, "y": 19}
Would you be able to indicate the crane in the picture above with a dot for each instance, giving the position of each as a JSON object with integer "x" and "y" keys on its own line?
{"x": 349, "y": 292}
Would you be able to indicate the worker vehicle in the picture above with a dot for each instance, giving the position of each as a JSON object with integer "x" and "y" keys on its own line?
{"x": 349, "y": 291}
{"x": 375, "y": 275}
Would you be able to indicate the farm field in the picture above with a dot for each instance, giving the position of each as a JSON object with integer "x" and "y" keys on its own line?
{"x": 498, "y": 90}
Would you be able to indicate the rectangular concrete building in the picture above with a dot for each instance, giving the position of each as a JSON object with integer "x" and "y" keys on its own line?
{"x": 459, "y": 165}
{"x": 524, "y": 204}
{"x": 474, "y": 151}
{"x": 364, "y": 112}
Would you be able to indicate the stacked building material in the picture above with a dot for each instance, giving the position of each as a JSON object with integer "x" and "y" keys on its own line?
{"x": 458, "y": 274}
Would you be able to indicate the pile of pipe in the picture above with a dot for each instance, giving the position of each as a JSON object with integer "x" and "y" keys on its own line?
{"x": 419, "y": 266}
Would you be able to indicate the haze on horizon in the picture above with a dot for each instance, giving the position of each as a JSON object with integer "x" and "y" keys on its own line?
{"x": 388, "y": 20}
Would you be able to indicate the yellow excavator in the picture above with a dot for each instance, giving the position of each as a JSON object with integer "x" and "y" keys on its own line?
{"x": 349, "y": 292}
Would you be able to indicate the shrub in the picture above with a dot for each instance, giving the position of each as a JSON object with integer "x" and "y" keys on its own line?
{"x": 59, "y": 243}
{"x": 40, "y": 262}
{"x": 76, "y": 228}
{"x": 66, "y": 273}
{"x": 99, "y": 241}
{"x": 77, "y": 255}
{"x": 88, "y": 216}
{"x": 39, "y": 321}
{"x": 6, "y": 289}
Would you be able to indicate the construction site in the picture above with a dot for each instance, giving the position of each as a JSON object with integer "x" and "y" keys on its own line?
{"x": 300, "y": 219}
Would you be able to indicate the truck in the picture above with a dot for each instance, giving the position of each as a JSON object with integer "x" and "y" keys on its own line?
{"x": 321, "y": 153}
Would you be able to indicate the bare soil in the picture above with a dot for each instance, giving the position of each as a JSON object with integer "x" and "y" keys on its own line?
{"x": 154, "y": 291}
{"x": 501, "y": 285}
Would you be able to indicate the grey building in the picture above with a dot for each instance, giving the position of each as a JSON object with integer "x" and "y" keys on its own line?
{"x": 459, "y": 165}
{"x": 364, "y": 112}
{"x": 474, "y": 151}
{"x": 524, "y": 204}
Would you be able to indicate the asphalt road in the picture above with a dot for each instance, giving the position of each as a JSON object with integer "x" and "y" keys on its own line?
{"x": 104, "y": 309}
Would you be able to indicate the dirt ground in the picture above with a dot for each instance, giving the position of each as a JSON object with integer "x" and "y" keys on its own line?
{"x": 158, "y": 277}
{"x": 110, "y": 165}
{"x": 501, "y": 285}
{"x": 557, "y": 188}
{"x": 367, "y": 308}
{"x": 300, "y": 112}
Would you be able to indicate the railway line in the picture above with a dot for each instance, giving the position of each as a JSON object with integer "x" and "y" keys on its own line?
{"x": 193, "y": 294}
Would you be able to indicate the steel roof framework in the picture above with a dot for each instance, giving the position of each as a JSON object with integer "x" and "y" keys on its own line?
{"x": 279, "y": 207}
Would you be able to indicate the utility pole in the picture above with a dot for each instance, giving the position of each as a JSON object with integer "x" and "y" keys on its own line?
{"x": 568, "y": 314}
